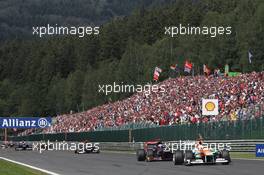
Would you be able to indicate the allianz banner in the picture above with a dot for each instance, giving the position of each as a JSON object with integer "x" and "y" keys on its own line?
{"x": 25, "y": 122}
{"x": 259, "y": 150}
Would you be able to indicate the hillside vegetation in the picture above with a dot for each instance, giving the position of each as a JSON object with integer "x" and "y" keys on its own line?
{"x": 57, "y": 74}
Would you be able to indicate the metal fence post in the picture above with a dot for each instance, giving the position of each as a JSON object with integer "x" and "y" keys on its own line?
{"x": 261, "y": 126}
{"x": 130, "y": 135}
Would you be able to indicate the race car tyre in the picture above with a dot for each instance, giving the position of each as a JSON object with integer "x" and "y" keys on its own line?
{"x": 141, "y": 156}
{"x": 178, "y": 157}
{"x": 150, "y": 155}
{"x": 226, "y": 156}
{"x": 188, "y": 155}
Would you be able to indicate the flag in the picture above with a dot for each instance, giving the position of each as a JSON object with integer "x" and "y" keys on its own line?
{"x": 157, "y": 72}
{"x": 158, "y": 69}
{"x": 173, "y": 67}
{"x": 206, "y": 70}
{"x": 226, "y": 69}
{"x": 188, "y": 66}
{"x": 156, "y": 76}
{"x": 249, "y": 57}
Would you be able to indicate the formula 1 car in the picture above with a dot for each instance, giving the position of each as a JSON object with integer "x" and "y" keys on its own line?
{"x": 7, "y": 145}
{"x": 87, "y": 147}
{"x": 202, "y": 156}
{"x": 153, "y": 150}
{"x": 22, "y": 146}
{"x": 11, "y": 144}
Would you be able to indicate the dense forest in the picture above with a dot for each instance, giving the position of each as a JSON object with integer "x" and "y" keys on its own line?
{"x": 18, "y": 17}
{"x": 57, "y": 74}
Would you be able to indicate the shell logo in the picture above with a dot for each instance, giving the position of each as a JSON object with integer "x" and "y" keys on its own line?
{"x": 210, "y": 106}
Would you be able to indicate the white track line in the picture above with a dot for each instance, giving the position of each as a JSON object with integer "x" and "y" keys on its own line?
{"x": 247, "y": 159}
{"x": 29, "y": 166}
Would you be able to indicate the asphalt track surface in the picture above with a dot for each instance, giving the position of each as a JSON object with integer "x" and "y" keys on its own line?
{"x": 68, "y": 163}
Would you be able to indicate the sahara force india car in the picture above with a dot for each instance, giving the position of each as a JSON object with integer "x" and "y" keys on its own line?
{"x": 201, "y": 156}
{"x": 153, "y": 150}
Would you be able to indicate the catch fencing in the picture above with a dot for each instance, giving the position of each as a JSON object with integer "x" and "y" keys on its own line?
{"x": 236, "y": 130}
{"x": 235, "y": 145}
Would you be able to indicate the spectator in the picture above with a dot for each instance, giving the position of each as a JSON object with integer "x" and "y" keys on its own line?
{"x": 179, "y": 104}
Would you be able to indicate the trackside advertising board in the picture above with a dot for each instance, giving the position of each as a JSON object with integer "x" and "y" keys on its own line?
{"x": 22, "y": 122}
{"x": 259, "y": 150}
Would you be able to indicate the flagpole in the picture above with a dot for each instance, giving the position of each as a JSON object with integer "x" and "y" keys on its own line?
{"x": 171, "y": 47}
{"x": 193, "y": 70}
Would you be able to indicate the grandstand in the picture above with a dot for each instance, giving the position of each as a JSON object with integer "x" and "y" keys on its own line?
{"x": 240, "y": 98}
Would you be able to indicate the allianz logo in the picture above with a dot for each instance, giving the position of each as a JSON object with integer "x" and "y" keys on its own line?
{"x": 27, "y": 123}
{"x": 260, "y": 150}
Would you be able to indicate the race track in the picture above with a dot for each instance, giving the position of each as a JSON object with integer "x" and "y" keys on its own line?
{"x": 68, "y": 163}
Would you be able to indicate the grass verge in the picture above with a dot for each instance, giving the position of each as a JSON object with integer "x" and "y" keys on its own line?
{"x": 8, "y": 168}
{"x": 244, "y": 155}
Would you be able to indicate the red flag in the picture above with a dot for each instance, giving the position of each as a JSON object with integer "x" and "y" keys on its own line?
{"x": 188, "y": 66}
{"x": 206, "y": 69}
{"x": 157, "y": 72}
{"x": 173, "y": 67}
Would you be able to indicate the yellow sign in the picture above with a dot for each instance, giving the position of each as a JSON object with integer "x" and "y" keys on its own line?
{"x": 210, "y": 107}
